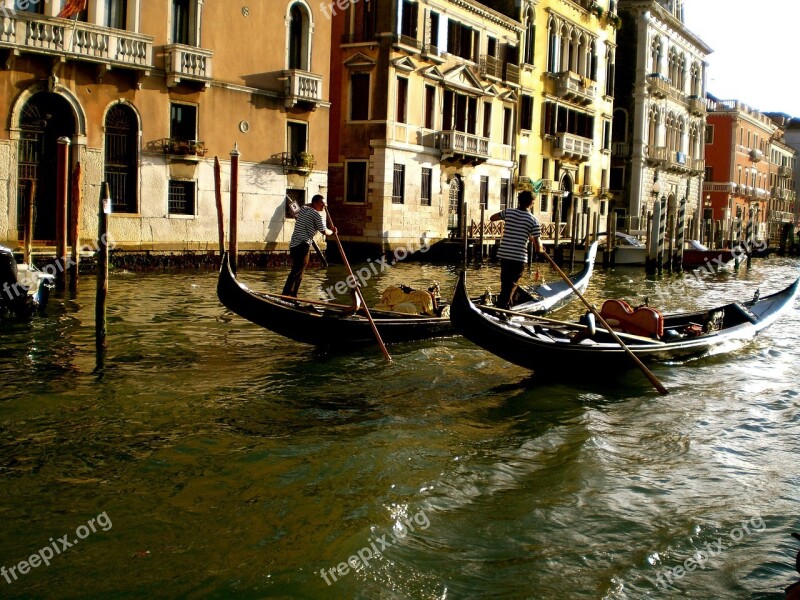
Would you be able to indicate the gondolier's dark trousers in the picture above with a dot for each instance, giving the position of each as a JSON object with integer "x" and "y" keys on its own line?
{"x": 299, "y": 254}
{"x": 510, "y": 273}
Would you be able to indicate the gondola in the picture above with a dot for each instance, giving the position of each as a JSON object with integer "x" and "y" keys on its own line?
{"x": 329, "y": 324}
{"x": 546, "y": 345}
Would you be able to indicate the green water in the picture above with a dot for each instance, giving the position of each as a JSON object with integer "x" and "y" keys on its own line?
{"x": 230, "y": 462}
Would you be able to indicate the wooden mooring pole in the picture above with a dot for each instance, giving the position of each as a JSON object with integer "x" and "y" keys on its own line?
{"x": 30, "y": 198}
{"x": 233, "y": 242}
{"x": 62, "y": 195}
{"x": 75, "y": 227}
{"x": 102, "y": 270}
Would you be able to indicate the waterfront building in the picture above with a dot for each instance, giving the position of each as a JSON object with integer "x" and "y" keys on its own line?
{"x": 782, "y": 172}
{"x": 738, "y": 141}
{"x": 423, "y": 118}
{"x": 147, "y": 93}
{"x": 659, "y": 113}
{"x": 565, "y": 111}
{"x": 792, "y": 138}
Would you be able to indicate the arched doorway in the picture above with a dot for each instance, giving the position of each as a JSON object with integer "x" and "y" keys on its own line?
{"x": 44, "y": 118}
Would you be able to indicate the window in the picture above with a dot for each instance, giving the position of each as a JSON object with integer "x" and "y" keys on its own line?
{"x": 181, "y": 197}
{"x": 425, "y": 186}
{"x": 484, "y": 191}
{"x": 544, "y": 204}
{"x": 121, "y": 158}
{"x": 115, "y": 11}
{"x": 487, "y": 119}
{"x": 359, "y": 96}
{"x": 603, "y": 208}
{"x": 183, "y": 122}
{"x": 709, "y": 134}
{"x": 181, "y": 22}
{"x": 508, "y": 115}
{"x": 617, "y": 178}
{"x": 526, "y": 112}
{"x": 505, "y": 193}
{"x": 462, "y": 41}
{"x": 398, "y": 184}
{"x": 408, "y": 22}
{"x": 606, "y": 135}
{"x": 430, "y": 106}
{"x": 530, "y": 37}
{"x": 356, "y": 181}
{"x": 402, "y": 100}
{"x": 434, "y": 30}
{"x": 295, "y": 37}
{"x": 296, "y": 137}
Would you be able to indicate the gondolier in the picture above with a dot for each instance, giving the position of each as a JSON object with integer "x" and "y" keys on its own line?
{"x": 520, "y": 226}
{"x": 309, "y": 222}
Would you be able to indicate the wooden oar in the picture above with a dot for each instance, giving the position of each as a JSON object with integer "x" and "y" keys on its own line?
{"x": 656, "y": 383}
{"x": 358, "y": 289}
{"x": 568, "y": 325}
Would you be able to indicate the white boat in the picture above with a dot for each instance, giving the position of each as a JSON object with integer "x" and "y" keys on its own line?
{"x": 24, "y": 289}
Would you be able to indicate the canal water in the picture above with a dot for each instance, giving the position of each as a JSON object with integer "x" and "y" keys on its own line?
{"x": 210, "y": 458}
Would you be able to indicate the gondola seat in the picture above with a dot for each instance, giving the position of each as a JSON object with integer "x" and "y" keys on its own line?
{"x": 644, "y": 321}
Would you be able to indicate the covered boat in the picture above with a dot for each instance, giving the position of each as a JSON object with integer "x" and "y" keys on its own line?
{"x": 544, "y": 344}
{"x": 326, "y": 323}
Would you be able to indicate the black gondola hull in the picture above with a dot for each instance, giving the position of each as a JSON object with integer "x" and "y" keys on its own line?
{"x": 541, "y": 348}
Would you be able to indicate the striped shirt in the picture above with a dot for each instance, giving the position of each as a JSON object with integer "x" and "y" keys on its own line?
{"x": 309, "y": 222}
{"x": 519, "y": 226}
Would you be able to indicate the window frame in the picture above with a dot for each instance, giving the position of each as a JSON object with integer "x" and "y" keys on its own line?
{"x": 189, "y": 184}
{"x": 347, "y": 178}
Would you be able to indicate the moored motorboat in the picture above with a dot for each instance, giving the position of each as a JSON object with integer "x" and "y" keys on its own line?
{"x": 24, "y": 290}
{"x": 326, "y": 323}
{"x": 541, "y": 344}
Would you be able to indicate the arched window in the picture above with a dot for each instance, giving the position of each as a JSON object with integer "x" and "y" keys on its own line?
{"x": 298, "y": 47}
{"x": 121, "y": 158}
{"x": 610, "y": 71}
{"x": 552, "y": 47}
{"x": 655, "y": 55}
{"x": 695, "y": 81}
{"x": 530, "y": 37}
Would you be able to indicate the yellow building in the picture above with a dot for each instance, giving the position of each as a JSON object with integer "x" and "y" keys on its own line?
{"x": 566, "y": 103}
{"x": 147, "y": 93}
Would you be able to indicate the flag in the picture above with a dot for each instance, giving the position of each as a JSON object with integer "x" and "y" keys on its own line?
{"x": 72, "y": 7}
{"x": 537, "y": 186}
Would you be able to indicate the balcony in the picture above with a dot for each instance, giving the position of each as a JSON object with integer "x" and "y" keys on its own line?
{"x": 779, "y": 193}
{"x": 301, "y": 87}
{"x": 657, "y": 154}
{"x": 781, "y": 216}
{"x": 406, "y": 42}
{"x": 187, "y": 64}
{"x": 697, "y": 105}
{"x": 621, "y": 149}
{"x": 491, "y": 67}
{"x": 571, "y": 86}
{"x": 463, "y": 146}
{"x": 658, "y": 85}
{"x": 511, "y": 74}
{"x": 784, "y": 171}
{"x": 191, "y": 150}
{"x": 585, "y": 190}
{"x": 698, "y": 165}
{"x": 571, "y": 146}
{"x": 678, "y": 161}
{"x": 297, "y": 162}
{"x": 70, "y": 40}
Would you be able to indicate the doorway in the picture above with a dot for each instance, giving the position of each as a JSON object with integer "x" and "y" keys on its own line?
{"x": 45, "y": 118}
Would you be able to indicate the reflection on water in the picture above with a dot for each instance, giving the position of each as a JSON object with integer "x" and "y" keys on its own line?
{"x": 235, "y": 462}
